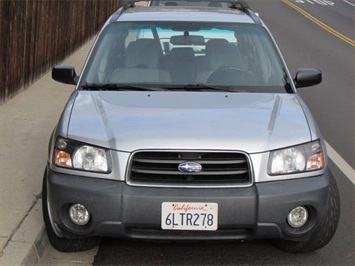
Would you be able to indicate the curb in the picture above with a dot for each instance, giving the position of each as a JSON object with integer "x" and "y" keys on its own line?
{"x": 27, "y": 245}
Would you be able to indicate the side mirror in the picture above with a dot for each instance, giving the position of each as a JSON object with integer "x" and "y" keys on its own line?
{"x": 65, "y": 74}
{"x": 306, "y": 77}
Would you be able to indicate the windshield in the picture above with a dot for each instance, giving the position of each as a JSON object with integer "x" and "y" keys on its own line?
{"x": 185, "y": 55}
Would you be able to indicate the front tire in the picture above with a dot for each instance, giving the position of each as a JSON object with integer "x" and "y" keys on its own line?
{"x": 62, "y": 244}
{"x": 326, "y": 229}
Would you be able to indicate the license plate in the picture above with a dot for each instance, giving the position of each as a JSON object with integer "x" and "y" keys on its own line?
{"x": 189, "y": 216}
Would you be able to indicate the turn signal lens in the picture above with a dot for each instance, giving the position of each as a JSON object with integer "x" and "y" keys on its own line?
{"x": 315, "y": 162}
{"x": 61, "y": 158}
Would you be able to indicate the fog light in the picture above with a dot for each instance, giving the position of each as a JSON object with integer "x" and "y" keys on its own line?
{"x": 79, "y": 214}
{"x": 297, "y": 217}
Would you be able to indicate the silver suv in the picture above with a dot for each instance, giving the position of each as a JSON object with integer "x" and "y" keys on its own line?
{"x": 185, "y": 124}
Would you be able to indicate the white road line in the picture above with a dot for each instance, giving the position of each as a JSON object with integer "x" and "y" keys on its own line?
{"x": 341, "y": 163}
{"x": 349, "y": 3}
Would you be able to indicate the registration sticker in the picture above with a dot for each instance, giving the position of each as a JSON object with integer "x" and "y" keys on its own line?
{"x": 189, "y": 216}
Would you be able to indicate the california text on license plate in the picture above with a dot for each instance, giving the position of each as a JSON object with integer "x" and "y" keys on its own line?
{"x": 189, "y": 216}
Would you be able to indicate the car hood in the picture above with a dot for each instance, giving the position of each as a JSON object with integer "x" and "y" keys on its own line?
{"x": 129, "y": 121}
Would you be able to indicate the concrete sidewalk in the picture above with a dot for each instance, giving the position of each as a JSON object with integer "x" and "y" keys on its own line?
{"x": 26, "y": 123}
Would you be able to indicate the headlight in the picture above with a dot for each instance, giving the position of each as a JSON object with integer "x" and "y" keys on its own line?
{"x": 301, "y": 158}
{"x": 76, "y": 155}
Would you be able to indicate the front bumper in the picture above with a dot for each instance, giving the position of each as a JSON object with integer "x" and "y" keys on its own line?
{"x": 119, "y": 210}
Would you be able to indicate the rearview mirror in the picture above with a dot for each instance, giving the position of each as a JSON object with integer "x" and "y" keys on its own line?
{"x": 187, "y": 40}
{"x": 306, "y": 77}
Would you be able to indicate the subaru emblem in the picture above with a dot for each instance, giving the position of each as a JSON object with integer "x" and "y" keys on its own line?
{"x": 190, "y": 167}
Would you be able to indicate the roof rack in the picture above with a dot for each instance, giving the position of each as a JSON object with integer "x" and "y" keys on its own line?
{"x": 242, "y": 5}
{"x": 117, "y": 14}
{"x": 130, "y": 3}
{"x": 124, "y": 5}
{"x": 234, "y": 4}
{"x": 237, "y": 4}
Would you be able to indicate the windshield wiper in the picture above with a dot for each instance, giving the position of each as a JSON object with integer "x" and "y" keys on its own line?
{"x": 118, "y": 86}
{"x": 129, "y": 87}
{"x": 205, "y": 87}
{"x": 288, "y": 86}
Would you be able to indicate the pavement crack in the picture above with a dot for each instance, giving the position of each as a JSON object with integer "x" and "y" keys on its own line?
{"x": 18, "y": 226}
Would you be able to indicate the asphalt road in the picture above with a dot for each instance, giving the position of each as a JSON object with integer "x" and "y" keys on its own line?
{"x": 305, "y": 41}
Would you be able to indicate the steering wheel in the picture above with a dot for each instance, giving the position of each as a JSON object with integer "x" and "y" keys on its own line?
{"x": 231, "y": 76}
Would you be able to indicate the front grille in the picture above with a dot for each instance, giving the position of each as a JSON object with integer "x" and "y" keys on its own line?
{"x": 161, "y": 168}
